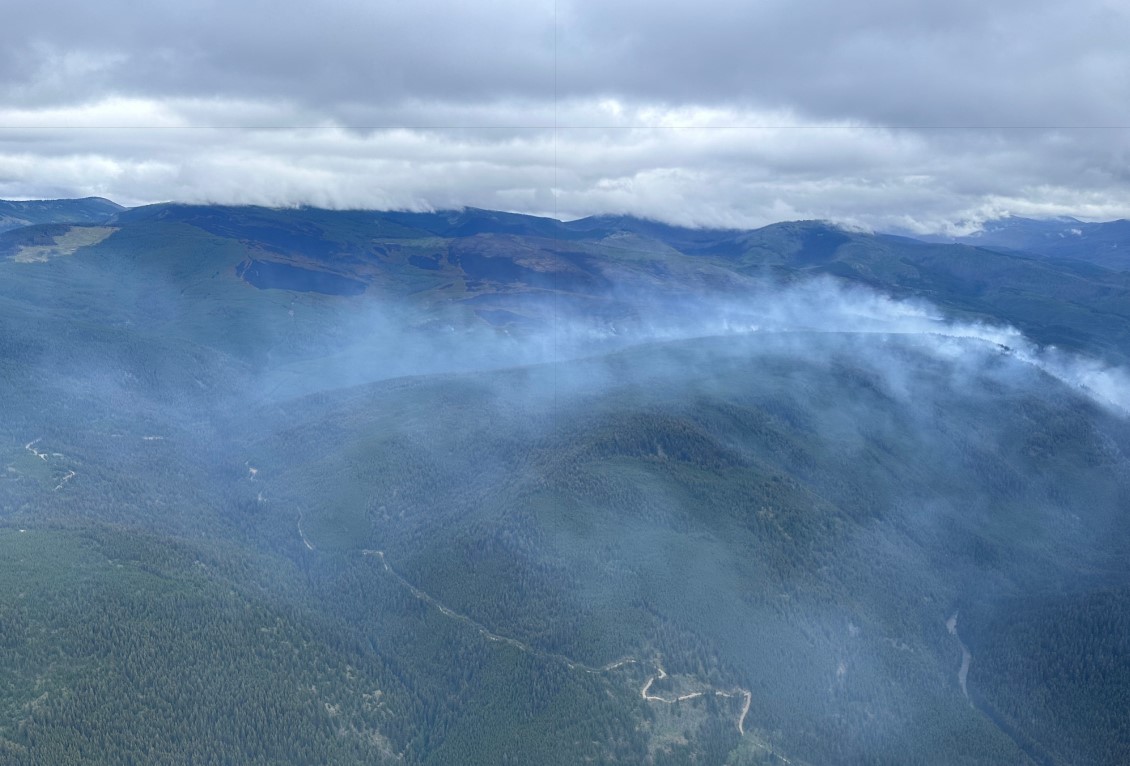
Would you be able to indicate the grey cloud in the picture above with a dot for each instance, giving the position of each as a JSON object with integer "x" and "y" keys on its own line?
{"x": 961, "y": 63}
{"x": 333, "y": 57}
{"x": 627, "y": 77}
{"x": 888, "y": 62}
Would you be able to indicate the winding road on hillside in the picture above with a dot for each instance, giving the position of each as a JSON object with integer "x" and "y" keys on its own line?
{"x": 658, "y": 675}
{"x": 46, "y": 457}
{"x": 966, "y": 656}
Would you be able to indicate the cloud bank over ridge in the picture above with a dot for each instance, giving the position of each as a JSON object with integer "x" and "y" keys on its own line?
{"x": 923, "y": 118}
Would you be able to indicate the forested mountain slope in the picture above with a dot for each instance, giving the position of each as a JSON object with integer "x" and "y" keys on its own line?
{"x": 304, "y": 486}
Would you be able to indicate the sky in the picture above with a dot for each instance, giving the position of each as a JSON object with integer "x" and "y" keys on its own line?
{"x": 887, "y": 114}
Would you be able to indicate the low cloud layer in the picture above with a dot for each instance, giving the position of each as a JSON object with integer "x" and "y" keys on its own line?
{"x": 893, "y": 116}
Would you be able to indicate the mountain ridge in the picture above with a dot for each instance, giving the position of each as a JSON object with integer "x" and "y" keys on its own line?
{"x": 504, "y": 267}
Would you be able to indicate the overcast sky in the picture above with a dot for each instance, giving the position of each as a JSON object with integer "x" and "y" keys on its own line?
{"x": 884, "y": 113}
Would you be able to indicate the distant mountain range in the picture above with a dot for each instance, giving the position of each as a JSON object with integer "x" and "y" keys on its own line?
{"x": 1103, "y": 244}
{"x": 1061, "y": 282}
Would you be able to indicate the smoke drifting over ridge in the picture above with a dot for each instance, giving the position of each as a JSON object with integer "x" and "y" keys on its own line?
{"x": 459, "y": 342}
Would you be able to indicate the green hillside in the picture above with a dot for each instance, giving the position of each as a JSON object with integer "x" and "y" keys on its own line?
{"x": 604, "y": 491}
